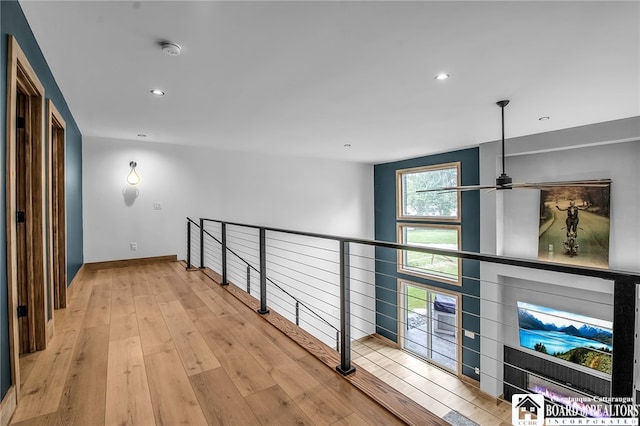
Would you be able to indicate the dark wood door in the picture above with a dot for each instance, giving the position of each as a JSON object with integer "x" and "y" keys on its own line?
{"x": 58, "y": 216}
{"x": 23, "y": 182}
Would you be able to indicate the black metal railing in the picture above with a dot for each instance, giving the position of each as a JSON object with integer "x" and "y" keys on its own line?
{"x": 249, "y": 267}
{"x": 624, "y": 290}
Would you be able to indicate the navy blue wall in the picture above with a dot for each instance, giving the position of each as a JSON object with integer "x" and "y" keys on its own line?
{"x": 13, "y": 21}
{"x": 386, "y": 260}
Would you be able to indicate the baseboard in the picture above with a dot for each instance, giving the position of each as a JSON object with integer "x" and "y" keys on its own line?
{"x": 8, "y": 406}
{"x": 470, "y": 381}
{"x": 482, "y": 394}
{"x": 385, "y": 340}
{"x": 192, "y": 269}
{"x": 71, "y": 288}
{"x": 130, "y": 262}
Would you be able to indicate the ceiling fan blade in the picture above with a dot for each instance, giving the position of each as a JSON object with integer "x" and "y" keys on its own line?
{"x": 458, "y": 188}
{"x": 600, "y": 183}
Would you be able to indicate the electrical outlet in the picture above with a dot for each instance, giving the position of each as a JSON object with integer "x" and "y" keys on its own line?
{"x": 477, "y": 370}
{"x": 133, "y": 246}
{"x": 157, "y": 206}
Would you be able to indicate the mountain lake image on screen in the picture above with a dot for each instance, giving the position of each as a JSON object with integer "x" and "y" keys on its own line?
{"x": 572, "y": 337}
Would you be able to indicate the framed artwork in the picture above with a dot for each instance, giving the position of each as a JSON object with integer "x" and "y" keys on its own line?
{"x": 574, "y": 225}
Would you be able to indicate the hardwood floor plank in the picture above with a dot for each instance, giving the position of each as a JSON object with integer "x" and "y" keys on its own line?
{"x": 70, "y": 319}
{"x": 128, "y": 399}
{"x": 158, "y": 285}
{"x": 261, "y": 346}
{"x": 99, "y": 307}
{"x": 196, "y": 355}
{"x": 154, "y": 334}
{"x": 350, "y": 395}
{"x": 27, "y": 362}
{"x": 123, "y": 327}
{"x": 52, "y": 419}
{"x": 42, "y": 391}
{"x": 218, "y": 307}
{"x": 139, "y": 279}
{"x": 194, "y": 281}
{"x": 220, "y": 400}
{"x": 183, "y": 292}
{"x": 239, "y": 365}
{"x": 83, "y": 397}
{"x": 322, "y": 405}
{"x": 294, "y": 379}
{"x": 273, "y": 406}
{"x": 352, "y": 420}
{"x": 172, "y": 396}
{"x": 121, "y": 295}
{"x": 365, "y": 407}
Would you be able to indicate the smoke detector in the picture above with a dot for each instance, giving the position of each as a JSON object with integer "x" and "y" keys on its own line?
{"x": 171, "y": 49}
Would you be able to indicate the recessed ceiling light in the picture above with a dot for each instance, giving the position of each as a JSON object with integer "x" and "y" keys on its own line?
{"x": 442, "y": 76}
{"x": 157, "y": 92}
{"x": 543, "y": 118}
{"x": 142, "y": 135}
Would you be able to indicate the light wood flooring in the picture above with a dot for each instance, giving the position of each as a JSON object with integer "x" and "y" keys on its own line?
{"x": 431, "y": 387}
{"x": 156, "y": 345}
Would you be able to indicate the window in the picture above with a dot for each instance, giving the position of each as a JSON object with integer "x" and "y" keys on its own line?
{"x": 424, "y": 213}
{"x": 429, "y": 205}
{"x": 434, "y": 266}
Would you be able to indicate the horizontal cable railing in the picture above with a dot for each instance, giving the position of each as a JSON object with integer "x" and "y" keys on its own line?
{"x": 504, "y": 327}
{"x": 238, "y": 264}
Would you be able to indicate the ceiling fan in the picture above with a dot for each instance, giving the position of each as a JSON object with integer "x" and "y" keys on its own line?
{"x": 505, "y": 182}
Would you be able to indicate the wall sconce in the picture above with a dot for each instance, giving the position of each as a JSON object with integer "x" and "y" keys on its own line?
{"x": 133, "y": 178}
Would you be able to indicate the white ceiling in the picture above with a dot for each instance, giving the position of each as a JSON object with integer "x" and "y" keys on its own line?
{"x": 305, "y": 78}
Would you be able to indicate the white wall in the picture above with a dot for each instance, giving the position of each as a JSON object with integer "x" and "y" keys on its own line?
{"x": 509, "y": 222}
{"x": 321, "y": 196}
{"x": 312, "y": 195}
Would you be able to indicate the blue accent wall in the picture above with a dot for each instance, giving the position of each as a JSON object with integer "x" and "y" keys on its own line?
{"x": 13, "y": 21}
{"x": 386, "y": 259}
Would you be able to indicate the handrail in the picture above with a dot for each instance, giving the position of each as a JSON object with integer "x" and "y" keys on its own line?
{"x": 624, "y": 294}
{"x": 607, "y": 274}
{"x": 268, "y": 279}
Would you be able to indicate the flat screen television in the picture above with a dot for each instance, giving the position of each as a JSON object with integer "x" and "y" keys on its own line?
{"x": 572, "y": 337}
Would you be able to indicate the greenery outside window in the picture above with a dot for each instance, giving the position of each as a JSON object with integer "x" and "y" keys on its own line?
{"x": 441, "y": 268}
{"x": 441, "y": 206}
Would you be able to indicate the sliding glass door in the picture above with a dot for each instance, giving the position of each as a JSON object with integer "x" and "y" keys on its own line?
{"x": 430, "y": 326}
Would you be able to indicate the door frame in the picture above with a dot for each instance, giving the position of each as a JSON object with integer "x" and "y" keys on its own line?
{"x": 402, "y": 301}
{"x": 21, "y": 74}
{"x": 57, "y": 225}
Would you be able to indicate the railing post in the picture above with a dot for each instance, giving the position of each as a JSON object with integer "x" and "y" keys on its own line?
{"x": 297, "y": 313}
{"x": 338, "y": 341}
{"x": 248, "y": 279}
{"x": 188, "y": 244}
{"x": 263, "y": 272}
{"x": 201, "y": 243}
{"x": 345, "y": 367}
{"x": 624, "y": 320}
{"x": 224, "y": 254}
